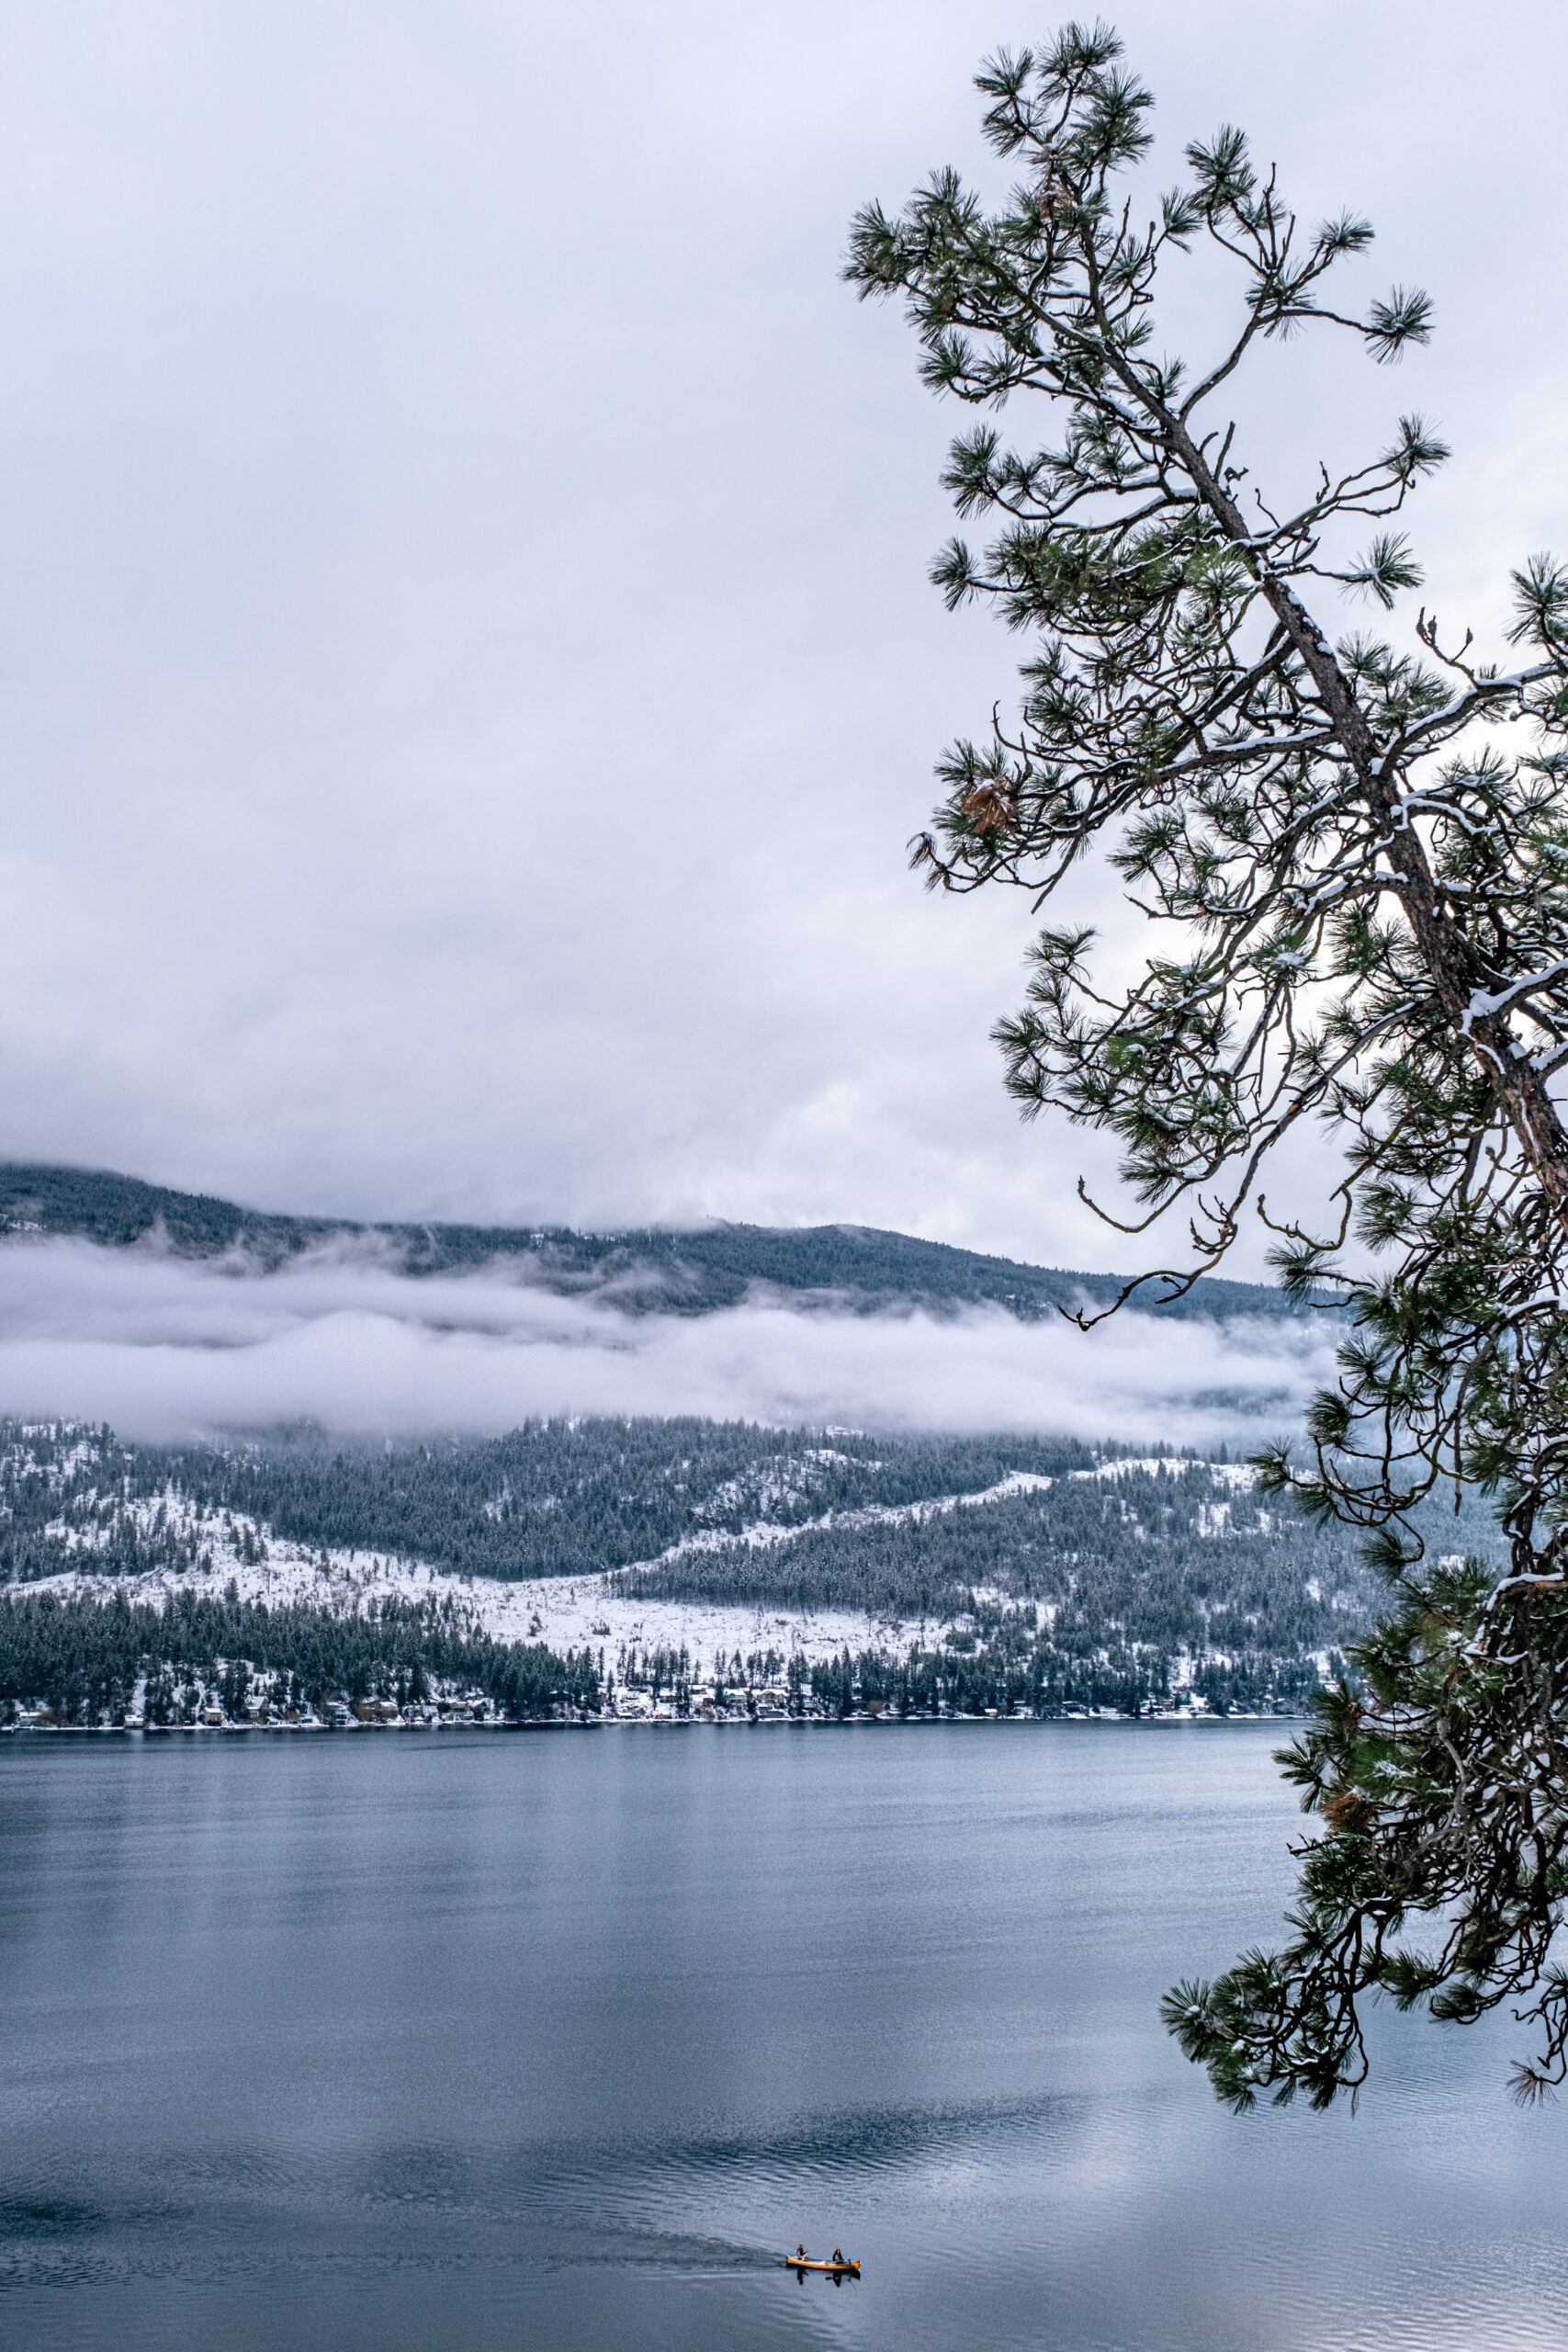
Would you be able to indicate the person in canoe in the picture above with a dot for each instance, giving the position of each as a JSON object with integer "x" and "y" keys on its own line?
{"x": 800, "y": 2254}
{"x": 837, "y": 2257}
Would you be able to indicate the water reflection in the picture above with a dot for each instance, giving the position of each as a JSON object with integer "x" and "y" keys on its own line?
{"x": 477, "y": 2041}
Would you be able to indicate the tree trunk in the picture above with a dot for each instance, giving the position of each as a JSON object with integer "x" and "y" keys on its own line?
{"x": 1516, "y": 1085}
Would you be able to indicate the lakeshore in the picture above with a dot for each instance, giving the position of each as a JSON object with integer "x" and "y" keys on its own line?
{"x": 619, "y": 1712}
{"x": 621, "y": 1720}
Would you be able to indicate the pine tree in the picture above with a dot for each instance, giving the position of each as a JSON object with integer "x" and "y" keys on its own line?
{"x": 1352, "y": 849}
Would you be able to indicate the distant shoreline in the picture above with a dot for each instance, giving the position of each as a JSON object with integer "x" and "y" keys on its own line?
{"x": 633, "y": 1722}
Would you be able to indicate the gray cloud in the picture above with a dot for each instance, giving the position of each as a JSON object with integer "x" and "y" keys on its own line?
{"x": 166, "y": 1348}
{"x": 466, "y": 673}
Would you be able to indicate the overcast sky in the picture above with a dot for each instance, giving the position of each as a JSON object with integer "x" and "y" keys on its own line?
{"x": 466, "y": 671}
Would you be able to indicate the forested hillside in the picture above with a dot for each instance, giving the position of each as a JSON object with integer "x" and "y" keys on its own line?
{"x": 1182, "y": 1550}
{"x": 84, "y": 1659}
{"x": 686, "y": 1273}
{"x": 1042, "y": 1573}
{"x": 552, "y": 1498}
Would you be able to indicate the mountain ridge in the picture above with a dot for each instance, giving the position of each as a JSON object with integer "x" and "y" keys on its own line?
{"x": 694, "y": 1270}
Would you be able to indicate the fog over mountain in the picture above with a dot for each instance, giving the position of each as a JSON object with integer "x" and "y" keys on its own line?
{"x": 166, "y": 1338}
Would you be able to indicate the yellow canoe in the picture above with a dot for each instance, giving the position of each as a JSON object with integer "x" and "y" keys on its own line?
{"x": 798, "y": 2262}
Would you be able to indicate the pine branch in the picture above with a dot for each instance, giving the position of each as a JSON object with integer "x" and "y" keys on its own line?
{"x": 1362, "y": 892}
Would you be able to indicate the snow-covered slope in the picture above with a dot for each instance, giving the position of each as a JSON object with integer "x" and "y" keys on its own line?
{"x": 564, "y": 1613}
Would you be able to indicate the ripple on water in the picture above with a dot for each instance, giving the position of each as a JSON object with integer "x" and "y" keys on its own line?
{"x": 566, "y": 2043}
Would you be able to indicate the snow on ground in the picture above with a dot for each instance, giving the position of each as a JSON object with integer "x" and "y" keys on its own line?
{"x": 570, "y": 1611}
{"x": 763, "y": 1532}
{"x": 1239, "y": 1477}
{"x": 565, "y": 1613}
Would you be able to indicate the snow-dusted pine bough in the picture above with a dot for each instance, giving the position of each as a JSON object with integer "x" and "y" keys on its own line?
{"x": 1358, "y": 853}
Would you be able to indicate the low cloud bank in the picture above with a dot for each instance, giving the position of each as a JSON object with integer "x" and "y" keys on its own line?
{"x": 165, "y": 1349}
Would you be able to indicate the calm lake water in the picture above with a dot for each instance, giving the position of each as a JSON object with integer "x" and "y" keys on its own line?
{"x": 477, "y": 2041}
